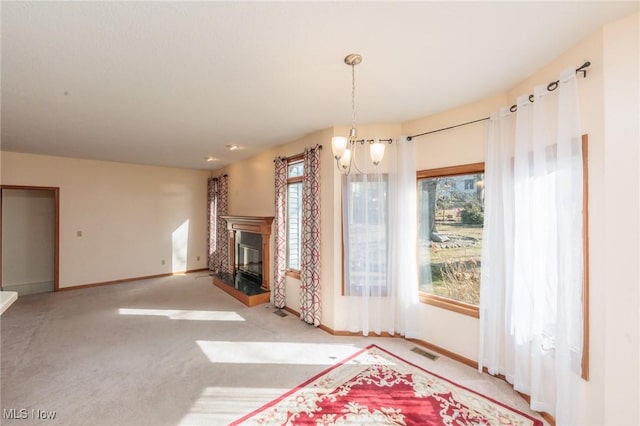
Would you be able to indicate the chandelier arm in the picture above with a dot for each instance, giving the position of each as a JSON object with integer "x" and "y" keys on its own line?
{"x": 340, "y": 169}
{"x": 357, "y": 168}
{"x": 353, "y": 158}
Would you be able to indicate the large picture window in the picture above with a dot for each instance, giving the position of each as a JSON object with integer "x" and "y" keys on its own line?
{"x": 450, "y": 218}
{"x": 295, "y": 173}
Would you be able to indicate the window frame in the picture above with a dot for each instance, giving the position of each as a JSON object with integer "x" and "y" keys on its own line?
{"x": 585, "y": 258}
{"x": 434, "y": 299}
{"x": 299, "y": 158}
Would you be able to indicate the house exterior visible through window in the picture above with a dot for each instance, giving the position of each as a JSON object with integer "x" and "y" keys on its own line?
{"x": 295, "y": 172}
{"x": 450, "y": 226}
{"x": 469, "y": 184}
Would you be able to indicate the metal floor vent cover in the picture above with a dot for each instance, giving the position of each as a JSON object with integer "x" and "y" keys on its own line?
{"x": 280, "y": 313}
{"x": 424, "y": 353}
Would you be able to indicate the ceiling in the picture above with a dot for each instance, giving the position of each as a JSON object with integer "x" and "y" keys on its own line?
{"x": 170, "y": 83}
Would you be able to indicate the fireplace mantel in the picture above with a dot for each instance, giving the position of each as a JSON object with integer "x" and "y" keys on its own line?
{"x": 260, "y": 225}
{"x": 256, "y": 224}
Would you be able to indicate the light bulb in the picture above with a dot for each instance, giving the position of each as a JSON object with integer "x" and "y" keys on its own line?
{"x": 376, "y": 151}
{"x": 345, "y": 160}
{"x": 338, "y": 146}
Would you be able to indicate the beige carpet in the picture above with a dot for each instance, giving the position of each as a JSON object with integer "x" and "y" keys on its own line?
{"x": 170, "y": 351}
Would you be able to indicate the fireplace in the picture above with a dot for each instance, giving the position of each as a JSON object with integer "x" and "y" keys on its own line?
{"x": 248, "y": 276}
{"x": 248, "y": 254}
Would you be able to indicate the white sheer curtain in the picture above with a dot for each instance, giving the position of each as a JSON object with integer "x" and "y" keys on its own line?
{"x": 532, "y": 266}
{"x": 380, "y": 237}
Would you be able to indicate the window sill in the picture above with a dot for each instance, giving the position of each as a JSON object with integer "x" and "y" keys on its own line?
{"x": 450, "y": 304}
{"x": 293, "y": 274}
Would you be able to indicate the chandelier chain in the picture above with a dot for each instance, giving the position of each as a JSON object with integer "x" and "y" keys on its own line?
{"x": 353, "y": 96}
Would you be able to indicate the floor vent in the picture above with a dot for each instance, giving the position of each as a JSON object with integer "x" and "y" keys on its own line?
{"x": 280, "y": 313}
{"x": 424, "y": 353}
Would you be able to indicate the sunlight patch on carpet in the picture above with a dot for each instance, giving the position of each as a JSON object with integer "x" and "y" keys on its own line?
{"x": 275, "y": 352}
{"x": 221, "y": 405}
{"x": 179, "y": 314}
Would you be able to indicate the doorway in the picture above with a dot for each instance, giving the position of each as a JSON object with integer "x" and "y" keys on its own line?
{"x": 29, "y": 231}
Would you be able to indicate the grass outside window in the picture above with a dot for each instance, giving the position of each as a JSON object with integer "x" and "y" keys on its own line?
{"x": 450, "y": 217}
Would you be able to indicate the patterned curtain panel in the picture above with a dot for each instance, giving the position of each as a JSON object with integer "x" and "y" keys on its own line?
{"x": 310, "y": 244}
{"x": 212, "y": 219}
{"x": 222, "y": 249}
{"x": 217, "y": 205}
{"x": 280, "y": 255}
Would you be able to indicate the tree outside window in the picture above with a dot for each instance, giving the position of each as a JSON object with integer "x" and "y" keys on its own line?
{"x": 450, "y": 224}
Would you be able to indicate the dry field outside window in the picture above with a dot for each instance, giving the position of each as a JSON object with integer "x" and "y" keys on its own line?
{"x": 451, "y": 213}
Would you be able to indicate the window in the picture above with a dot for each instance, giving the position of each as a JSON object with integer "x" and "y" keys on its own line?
{"x": 469, "y": 184}
{"x": 365, "y": 234}
{"x": 295, "y": 172}
{"x": 450, "y": 218}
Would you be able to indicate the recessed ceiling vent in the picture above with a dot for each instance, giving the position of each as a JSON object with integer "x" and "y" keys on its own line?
{"x": 424, "y": 353}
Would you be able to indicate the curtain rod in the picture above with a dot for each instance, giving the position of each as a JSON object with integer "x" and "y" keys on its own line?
{"x": 550, "y": 87}
{"x": 447, "y": 128}
{"x": 318, "y": 146}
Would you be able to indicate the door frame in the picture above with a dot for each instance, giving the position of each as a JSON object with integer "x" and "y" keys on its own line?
{"x": 56, "y": 248}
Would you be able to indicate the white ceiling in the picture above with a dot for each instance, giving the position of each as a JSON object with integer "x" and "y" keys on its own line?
{"x": 170, "y": 83}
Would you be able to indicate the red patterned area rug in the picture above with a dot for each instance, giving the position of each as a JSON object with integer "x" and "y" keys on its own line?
{"x": 375, "y": 387}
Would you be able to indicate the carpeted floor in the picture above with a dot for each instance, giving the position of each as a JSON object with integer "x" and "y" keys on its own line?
{"x": 170, "y": 351}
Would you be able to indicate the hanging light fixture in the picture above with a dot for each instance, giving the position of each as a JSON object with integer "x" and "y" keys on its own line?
{"x": 344, "y": 148}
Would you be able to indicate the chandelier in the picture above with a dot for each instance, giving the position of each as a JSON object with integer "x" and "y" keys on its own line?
{"x": 344, "y": 148}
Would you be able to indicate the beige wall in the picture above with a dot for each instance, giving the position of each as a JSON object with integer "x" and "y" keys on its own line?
{"x": 462, "y": 145}
{"x": 130, "y": 215}
{"x": 620, "y": 277}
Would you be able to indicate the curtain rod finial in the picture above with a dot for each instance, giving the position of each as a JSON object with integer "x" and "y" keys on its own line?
{"x": 583, "y": 68}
